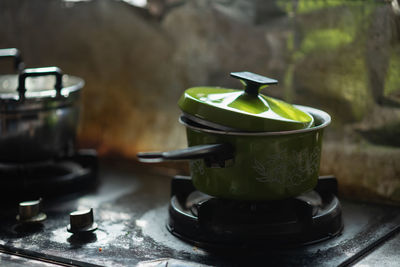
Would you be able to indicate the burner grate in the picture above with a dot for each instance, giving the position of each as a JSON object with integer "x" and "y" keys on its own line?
{"x": 218, "y": 223}
{"x": 50, "y": 178}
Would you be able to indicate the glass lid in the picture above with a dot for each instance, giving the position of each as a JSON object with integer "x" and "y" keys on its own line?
{"x": 231, "y": 109}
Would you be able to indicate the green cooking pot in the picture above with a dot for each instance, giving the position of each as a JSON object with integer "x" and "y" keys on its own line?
{"x": 251, "y": 166}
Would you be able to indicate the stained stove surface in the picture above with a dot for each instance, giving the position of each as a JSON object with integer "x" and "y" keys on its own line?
{"x": 131, "y": 210}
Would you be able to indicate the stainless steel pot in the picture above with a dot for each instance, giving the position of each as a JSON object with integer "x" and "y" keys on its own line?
{"x": 39, "y": 111}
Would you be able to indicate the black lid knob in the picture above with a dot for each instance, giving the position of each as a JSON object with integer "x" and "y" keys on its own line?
{"x": 253, "y": 82}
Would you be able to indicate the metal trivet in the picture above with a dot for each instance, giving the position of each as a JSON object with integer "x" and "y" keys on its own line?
{"x": 51, "y": 178}
{"x": 210, "y": 222}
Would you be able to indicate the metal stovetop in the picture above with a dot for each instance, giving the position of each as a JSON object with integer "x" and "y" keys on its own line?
{"x": 131, "y": 206}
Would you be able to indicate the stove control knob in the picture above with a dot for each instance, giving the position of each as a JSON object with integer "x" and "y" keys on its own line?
{"x": 30, "y": 212}
{"x": 81, "y": 221}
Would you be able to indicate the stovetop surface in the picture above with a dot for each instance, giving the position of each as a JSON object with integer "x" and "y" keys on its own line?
{"x": 131, "y": 208}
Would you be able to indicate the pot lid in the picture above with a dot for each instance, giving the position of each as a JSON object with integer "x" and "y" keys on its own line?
{"x": 240, "y": 110}
{"x": 45, "y": 82}
{"x": 34, "y": 87}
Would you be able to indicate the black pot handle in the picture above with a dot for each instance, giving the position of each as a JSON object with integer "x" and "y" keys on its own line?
{"x": 215, "y": 155}
{"x": 36, "y": 72}
{"x": 253, "y": 82}
{"x": 14, "y": 53}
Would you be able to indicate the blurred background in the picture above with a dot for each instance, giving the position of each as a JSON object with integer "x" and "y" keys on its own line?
{"x": 138, "y": 56}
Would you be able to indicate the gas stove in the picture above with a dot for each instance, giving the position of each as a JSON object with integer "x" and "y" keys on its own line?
{"x": 146, "y": 218}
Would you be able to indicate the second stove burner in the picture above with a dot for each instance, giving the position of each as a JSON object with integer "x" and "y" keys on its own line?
{"x": 51, "y": 178}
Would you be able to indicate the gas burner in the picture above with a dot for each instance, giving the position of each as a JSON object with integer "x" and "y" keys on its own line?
{"x": 211, "y": 222}
{"x": 51, "y": 178}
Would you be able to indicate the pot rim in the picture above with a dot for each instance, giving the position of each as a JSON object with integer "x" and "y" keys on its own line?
{"x": 42, "y": 100}
{"x": 319, "y": 115}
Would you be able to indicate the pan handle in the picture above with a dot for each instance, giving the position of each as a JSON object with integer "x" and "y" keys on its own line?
{"x": 36, "y": 72}
{"x": 214, "y": 155}
{"x": 14, "y": 53}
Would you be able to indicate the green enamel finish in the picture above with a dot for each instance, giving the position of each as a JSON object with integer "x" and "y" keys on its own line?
{"x": 286, "y": 110}
{"x": 236, "y": 109}
{"x": 249, "y": 104}
{"x": 264, "y": 168}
